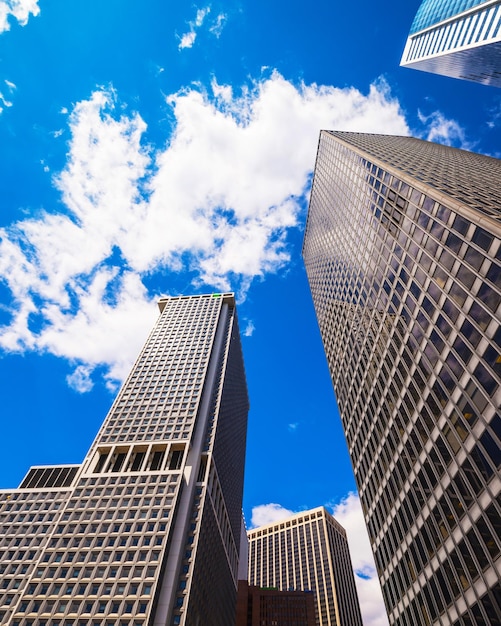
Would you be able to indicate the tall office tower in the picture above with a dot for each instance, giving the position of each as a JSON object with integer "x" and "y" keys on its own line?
{"x": 460, "y": 38}
{"x": 308, "y": 552}
{"x": 403, "y": 255}
{"x": 146, "y": 530}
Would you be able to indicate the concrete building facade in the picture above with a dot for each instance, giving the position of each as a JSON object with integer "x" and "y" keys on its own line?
{"x": 403, "y": 256}
{"x": 147, "y": 529}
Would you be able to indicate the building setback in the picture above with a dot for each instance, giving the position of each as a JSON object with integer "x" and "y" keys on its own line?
{"x": 307, "y": 552}
{"x": 147, "y": 529}
{"x": 403, "y": 256}
{"x": 460, "y": 39}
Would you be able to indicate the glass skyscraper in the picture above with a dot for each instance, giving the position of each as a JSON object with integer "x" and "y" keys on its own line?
{"x": 147, "y": 529}
{"x": 307, "y": 552}
{"x": 457, "y": 38}
{"x": 403, "y": 256}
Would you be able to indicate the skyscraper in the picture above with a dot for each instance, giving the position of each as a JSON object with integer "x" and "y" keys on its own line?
{"x": 403, "y": 255}
{"x": 308, "y": 552}
{"x": 460, "y": 38}
{"x": 147, "y": 529}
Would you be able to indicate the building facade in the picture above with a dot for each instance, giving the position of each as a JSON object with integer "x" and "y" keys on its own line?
{"x": 271, "y": 607}
{"x": 403, "y": 256}
{"x": 307, "y": 552}
{"x": 459, "y": 38}
{"x": 147, "y": 529}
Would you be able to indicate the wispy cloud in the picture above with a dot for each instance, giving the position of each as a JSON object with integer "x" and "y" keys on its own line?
{"x": 219, "y": 23}
{"x": 188, "y": 38}
{"x": 441, "y": 129}
{"x": 4, "y": 102}
{"x": 76, "y": 277}
{"x": 19, "y": 10}
{"x": 293, "y": 427}
{"x": 249, "y": 329}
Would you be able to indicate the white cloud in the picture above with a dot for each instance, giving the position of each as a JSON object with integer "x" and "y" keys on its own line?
{"x": 4, "y": 102}
{"x": 80, "y": 380}
{"x": 17, "y": 9}
{"x": 249, "y": 329}
{"x": 188, "y": 38}
{"x": 495, "y": 116}
{"x": 440, "y": 129}
{"x": 268, "y": 514}
{"x": 349, "y": 514}
{"x": 293, "y": 427}
{"x": 217, "y": 200}
{"x": 201, "y": 14}
{"x": 11, "y": 87}
{"x": 223, "y": 93}
{"x": 219, "y": 23}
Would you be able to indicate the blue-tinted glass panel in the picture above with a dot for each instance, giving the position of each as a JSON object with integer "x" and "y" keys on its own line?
{"x": 433, "y": 11}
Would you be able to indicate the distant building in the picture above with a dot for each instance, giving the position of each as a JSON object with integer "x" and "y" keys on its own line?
{"x": 146, "y": 531}
{"x": 307, "y": 552}
{"x": 270, "y": 607}
{"x": 403, "y": 256}
{"x": 460, "y": 38}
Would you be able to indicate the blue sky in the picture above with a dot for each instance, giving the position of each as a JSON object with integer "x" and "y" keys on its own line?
{"x": 161, "y": 148}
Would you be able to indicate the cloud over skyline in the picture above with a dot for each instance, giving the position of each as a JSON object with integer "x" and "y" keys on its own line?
{"x": 131, "y": 209}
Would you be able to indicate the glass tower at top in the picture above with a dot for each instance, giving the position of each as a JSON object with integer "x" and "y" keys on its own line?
{"x": 457, "y": 38}
{"x": 433, "y": 11}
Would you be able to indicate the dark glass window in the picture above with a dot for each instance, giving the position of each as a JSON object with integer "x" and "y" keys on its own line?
{"x": 482, "y": 238}
{"x": 466, "y": 276}
{"x": 453, "y": 242}
{"x": 492, "y": 449}
{"x": 458, "y": 294}
{"x": 460, "y": 225}
{"x": 489, "y": 297}
{"x": 474, "y": 258}
{"x": 485, "y": 379}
